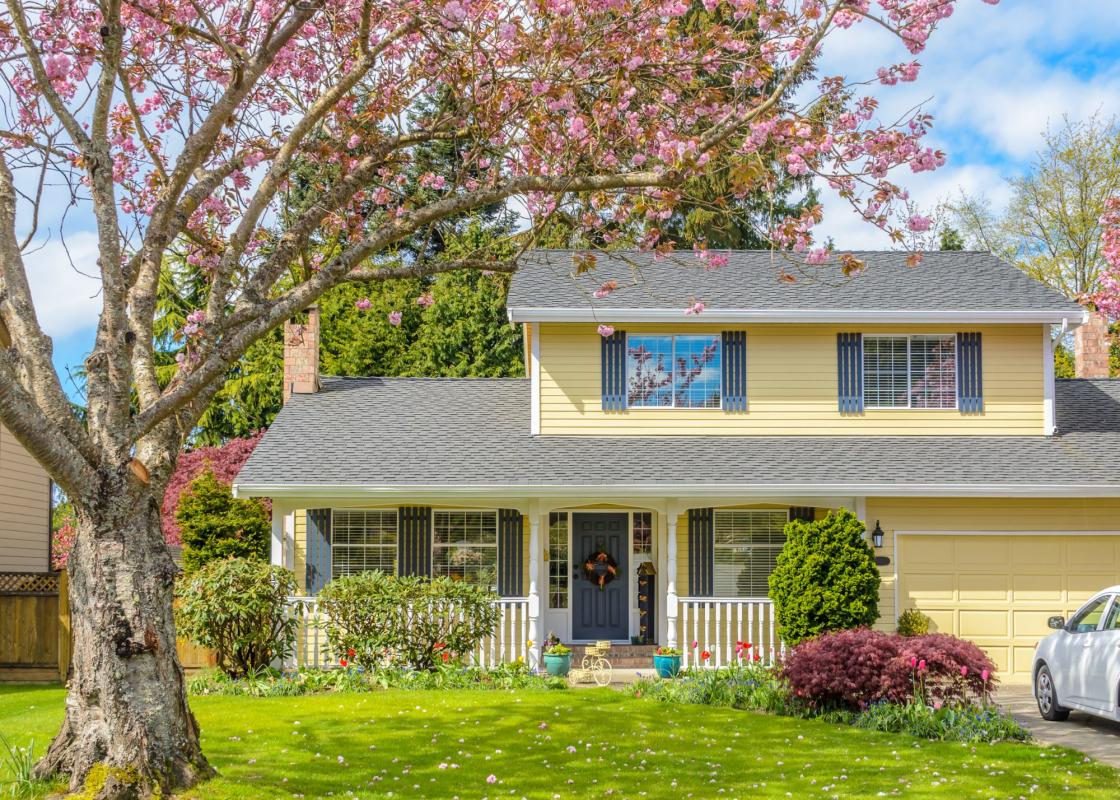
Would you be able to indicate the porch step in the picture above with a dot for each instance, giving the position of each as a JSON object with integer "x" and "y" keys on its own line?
{"x": 622, "y": 656}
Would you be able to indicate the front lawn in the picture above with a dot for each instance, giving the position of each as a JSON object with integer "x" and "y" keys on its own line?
{"x": 587, "y": 743}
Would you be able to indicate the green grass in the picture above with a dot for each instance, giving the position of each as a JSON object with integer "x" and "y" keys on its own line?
{"x": 591, "y": 743}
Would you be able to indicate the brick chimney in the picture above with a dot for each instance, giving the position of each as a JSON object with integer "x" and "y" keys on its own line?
{"x": 301, "y": 355}
{"x": 1090, "y": 347}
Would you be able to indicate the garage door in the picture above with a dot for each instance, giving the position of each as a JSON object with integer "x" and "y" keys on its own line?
{"x": 998, "y": 590}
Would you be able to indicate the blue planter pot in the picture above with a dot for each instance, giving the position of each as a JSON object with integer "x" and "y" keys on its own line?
{"x": 667, "y": 666}
{"x": 558, "y": 666}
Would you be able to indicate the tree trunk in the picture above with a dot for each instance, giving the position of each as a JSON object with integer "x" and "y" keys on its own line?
{"x": 128, "y": 732}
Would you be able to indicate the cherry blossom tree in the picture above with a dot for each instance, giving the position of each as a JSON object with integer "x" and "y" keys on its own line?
{"x": 177, "y": 128}
{"x": 1108, "y": 299}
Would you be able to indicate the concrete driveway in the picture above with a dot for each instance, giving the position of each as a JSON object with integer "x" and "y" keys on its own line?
{"x": 1093, "y": 736}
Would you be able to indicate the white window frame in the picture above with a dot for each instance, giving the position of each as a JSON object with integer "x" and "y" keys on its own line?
{"x": 672, "y": 359}
{"x": 716, "y": 547}
{"x": 494, "y": 546}
{"x": 335, "y": 546}
{"x": 909, "y": 337}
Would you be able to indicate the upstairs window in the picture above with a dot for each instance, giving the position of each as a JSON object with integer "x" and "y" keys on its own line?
{"x": 363, "y": 541}
{"x": 910, "y": 371}
{"x": 673, "y": 371}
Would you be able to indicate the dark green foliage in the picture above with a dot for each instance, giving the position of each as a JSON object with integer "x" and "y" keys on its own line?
{"x": 825, "y": 578}
{"x": 377, "y": 620}
{"x": 951, "y": 239}
{"x": 913, "y": 622}
{"x": 1064, "y": 366}
{"x": 236, "y": 607}
{"x": 214, "y": 524}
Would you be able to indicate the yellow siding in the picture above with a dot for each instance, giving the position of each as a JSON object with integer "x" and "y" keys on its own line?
{"x": 997, "y": 589}
{"x": 24, "y": 509}
{"x": 791, "y": 386}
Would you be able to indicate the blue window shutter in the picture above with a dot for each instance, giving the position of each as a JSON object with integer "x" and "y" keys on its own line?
{"x": 734, "y": 360}
{"x": 414, "y": 541}
{"x": 701, "y": 553}
{"x": 318, "y": 549}
{"x": 511, "y": 552}
{"x": 849, "y": 370}
{"x": 613, "y": 371}
{"x": 970, "y": 374}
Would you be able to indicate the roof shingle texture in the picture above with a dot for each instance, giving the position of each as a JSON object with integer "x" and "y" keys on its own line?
{"x": 381, "y": 432}
{"x": 945, "y": 281}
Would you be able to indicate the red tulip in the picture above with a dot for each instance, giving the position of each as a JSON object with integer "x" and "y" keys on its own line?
{"x": 342, "y": 661}
{"x": 350, "y": 652}
{"x": 446, "y": 656}
{"x": 704, "y": 656}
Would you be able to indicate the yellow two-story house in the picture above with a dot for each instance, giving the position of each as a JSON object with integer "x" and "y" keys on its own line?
{"x": 636, "y": 485}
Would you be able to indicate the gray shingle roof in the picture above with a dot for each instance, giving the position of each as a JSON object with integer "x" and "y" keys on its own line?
{"x": 378, "y": 432}
{"x": 945, "y": 281}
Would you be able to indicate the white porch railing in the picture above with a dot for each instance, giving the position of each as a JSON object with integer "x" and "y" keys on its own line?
{"x": 509, "y": 642}
{"x": 716, "y": 624}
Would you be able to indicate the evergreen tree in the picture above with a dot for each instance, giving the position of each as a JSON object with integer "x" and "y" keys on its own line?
{"x": 214, "y": 524}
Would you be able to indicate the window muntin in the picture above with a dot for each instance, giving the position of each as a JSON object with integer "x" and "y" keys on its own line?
{"x": 918, "y": 371}
{"x": 745, "y": 550}
{"x": 1087, "y": 619}
{"x": 673, "y": 371}
{"x": 558, "y": 559}
{"x": 363, "y": 541}
{"x": 465, "y": 546}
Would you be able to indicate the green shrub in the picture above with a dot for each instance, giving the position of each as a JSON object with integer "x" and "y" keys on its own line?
{"x": 751, "y": 686}
{"x": 947, "y": 723}
{"x": 216, "y": 525}
{"x": 825, "y": 578}
{"x": 236, "y": 607}
{"x": 913, "y": 622}
{"x": 375, "y": 620}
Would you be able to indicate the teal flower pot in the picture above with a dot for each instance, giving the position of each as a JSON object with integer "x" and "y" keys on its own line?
{"x": 558, "y": 666}
{"x": 667, "y": 666}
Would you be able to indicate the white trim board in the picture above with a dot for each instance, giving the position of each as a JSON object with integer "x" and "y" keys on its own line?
{"x": 606, "y": 314}
{"x": 1007, "y": 533}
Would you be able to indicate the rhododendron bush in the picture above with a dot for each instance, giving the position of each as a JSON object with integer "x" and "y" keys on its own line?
{"x": 268, "y": 146}
{"x": 854, "y": 668}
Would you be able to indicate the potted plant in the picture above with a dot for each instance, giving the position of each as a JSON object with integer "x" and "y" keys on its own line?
{"x": 557, "y": 659}
{"x": 667, "y": 662}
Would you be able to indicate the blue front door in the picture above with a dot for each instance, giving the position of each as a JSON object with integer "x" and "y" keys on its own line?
{"x": 600, "y": 611}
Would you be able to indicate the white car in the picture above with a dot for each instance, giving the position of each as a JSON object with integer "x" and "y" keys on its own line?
{"x": 1078, "y": 666}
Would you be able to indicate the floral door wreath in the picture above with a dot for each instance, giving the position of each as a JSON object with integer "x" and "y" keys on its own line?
{"x": 600, "y": 568}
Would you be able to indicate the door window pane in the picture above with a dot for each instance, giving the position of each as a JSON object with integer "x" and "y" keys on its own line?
{"x": 558, "y": 565}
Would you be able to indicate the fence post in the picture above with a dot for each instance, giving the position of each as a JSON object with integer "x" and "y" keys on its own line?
{"x": 63, "y": 626}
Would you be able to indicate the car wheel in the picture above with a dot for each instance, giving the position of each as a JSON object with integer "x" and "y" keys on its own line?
{"x": 1047, "y": 697}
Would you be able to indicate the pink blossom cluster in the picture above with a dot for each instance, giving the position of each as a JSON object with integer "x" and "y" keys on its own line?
{"x": 1107, "y": 298}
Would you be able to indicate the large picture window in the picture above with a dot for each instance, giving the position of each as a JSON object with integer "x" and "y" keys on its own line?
{"x": 558, "y": 565}
{"x": 363, "y": 541}
{"x": 673, "y": 371}
{"x": 745, "y": 549}
{"x": 910, "y": 371}
{"x": 465, "y": 546}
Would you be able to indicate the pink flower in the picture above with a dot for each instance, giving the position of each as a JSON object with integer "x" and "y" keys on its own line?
{"x": 425, "y": 300}
{"x": 913, "y": 662}
{"x": 693, "y": 644}
{"x": 919, "y": 224}
{"x": 964, "y": 671}
{"x": 364, "y": 304}
{"x": 984, "y": 675}
{"x": 606, "y": 330}
{"x": 936, "y": 705}
{"x": 922, "y": 665}
{"x": 354, "y": 141}
{"x": 605, "y": 289}
{"x": 395, "y": 318}
{"x": 695, "y": 308}
{"x": 491, "y": 778}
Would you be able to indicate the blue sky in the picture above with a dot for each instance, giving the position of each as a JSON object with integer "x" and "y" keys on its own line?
{"x": 993, "y": 77}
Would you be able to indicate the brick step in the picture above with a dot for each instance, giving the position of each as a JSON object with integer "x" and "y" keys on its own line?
{"x": 621, "y": 649}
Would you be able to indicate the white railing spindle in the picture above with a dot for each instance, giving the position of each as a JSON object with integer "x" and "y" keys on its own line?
{"x": 717, "y": 623}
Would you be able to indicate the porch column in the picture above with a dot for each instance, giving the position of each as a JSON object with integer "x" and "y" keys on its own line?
{"x": 534, "y": 596}
{"x": 278, "y": 536}
{"x": 671, "y": 578}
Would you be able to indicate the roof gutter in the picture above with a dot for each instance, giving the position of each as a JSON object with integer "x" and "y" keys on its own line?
{"x": 519, "y": 314}
{"x": 370, "y": 492}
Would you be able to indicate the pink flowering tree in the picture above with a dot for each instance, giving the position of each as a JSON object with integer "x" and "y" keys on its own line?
{"x": 1108, "y": 298}
{"x": 180, "y": 127}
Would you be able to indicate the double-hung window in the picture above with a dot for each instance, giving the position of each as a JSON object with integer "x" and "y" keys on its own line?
{"x": 673, "y": 371}
{"x": 910, "y": 371}
{"x": 363, "y": 541}
{"x": 465, "y": 546}
{"x": 745, "y": 550}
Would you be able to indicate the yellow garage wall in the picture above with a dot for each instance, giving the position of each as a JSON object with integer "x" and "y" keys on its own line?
{"x": 300, "y": 529}
{"x": 25, "y": 511}
{"x": 951, "y": 574}
{"x": 791, "y": 386}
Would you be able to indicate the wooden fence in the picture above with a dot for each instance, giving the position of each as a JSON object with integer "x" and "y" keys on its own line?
{"x": 35, "y": 629}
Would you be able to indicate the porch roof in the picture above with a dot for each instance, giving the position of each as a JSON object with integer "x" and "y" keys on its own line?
{"x": 470, "y": 436}
{"x": 951, "y": 286}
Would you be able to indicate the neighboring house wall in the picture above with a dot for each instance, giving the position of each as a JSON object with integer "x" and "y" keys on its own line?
{"x": 24, "y": 509}
{"x": 993, "y": 569}
{"x": 791, "y": 385}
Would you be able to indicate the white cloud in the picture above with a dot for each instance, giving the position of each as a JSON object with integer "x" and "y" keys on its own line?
{"x": 67, "y": 300}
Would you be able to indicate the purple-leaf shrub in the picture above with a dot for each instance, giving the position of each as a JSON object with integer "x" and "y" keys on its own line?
{"x": 854, "y": 668}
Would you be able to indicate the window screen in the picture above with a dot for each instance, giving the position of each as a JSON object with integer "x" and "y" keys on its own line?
{"x": 910, "y": 371}
{"x": 746, "y": 546}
